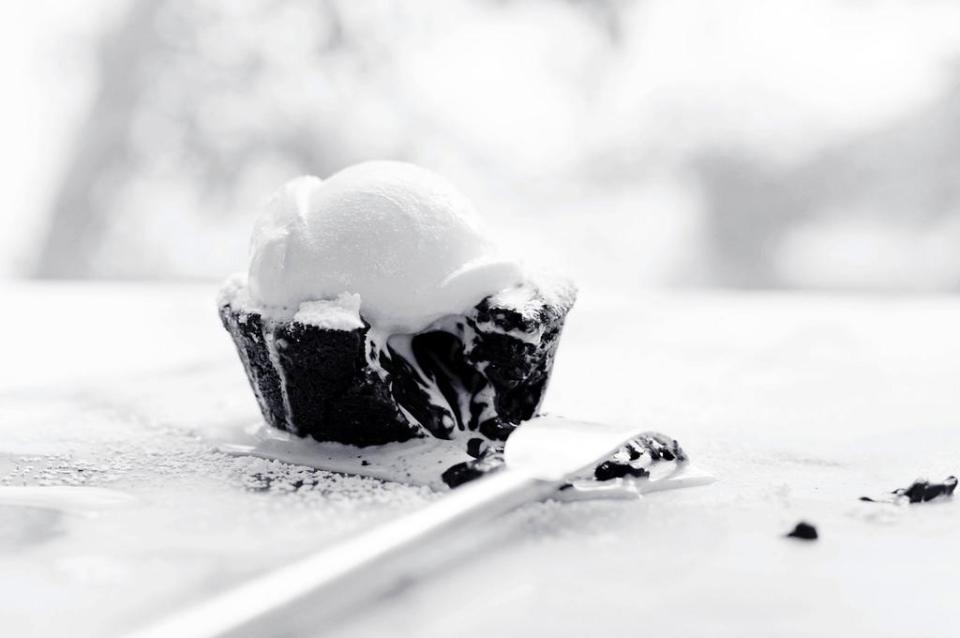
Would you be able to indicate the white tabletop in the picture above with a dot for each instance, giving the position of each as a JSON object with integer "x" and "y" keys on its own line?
{"x": 798, "y": 404}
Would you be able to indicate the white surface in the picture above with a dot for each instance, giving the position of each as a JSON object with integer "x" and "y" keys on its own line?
{"x": 400, "y": 236}
{"x": 798, "y": 404}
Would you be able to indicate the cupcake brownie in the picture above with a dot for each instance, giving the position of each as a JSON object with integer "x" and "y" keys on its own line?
{"x": 375, "y": 311}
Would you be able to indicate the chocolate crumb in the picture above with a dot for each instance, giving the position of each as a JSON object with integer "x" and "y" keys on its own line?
{"x": 804, "y": 531}
{"x": 461, "y": 473}
{"x": 490, "y": 461}
{"x": 920, "y": 491}
{"x": 476, "y": 447}
{"x": 611, "y": 469}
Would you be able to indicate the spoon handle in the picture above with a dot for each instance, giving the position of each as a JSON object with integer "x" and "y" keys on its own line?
{"x": 358, "y": 567}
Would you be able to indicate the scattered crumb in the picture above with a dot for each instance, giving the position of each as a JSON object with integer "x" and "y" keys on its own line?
{"x": 804, "y": 531}
{"x": 920, "y": 491}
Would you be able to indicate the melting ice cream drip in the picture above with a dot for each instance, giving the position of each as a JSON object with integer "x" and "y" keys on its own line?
{"x": 436, "y": 384}
{"x": 272, "y": 348}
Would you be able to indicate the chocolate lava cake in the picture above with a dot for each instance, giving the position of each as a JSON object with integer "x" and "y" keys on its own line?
{"x": 473, "y": 377}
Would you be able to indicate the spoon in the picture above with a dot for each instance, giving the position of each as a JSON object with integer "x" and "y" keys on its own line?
{"x": 540, "y": 458}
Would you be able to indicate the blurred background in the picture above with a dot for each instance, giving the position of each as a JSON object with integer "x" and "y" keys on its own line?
{"x": 748, "y": 144}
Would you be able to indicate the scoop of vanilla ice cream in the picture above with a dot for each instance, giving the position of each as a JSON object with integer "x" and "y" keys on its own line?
{"x": 399, "y": 236}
